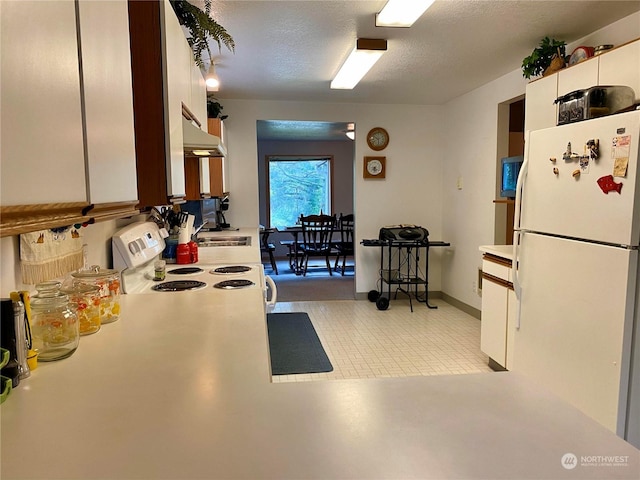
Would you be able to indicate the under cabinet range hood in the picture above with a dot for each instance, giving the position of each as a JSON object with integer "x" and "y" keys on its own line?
{"x": 198, "y": 143}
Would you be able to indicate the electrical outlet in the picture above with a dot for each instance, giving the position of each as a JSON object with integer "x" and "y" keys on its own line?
{"x": 459, "y": 183}
{"x": 474, "y": 286}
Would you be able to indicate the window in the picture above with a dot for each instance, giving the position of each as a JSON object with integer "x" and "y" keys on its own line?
{"x": 298, "y": 185}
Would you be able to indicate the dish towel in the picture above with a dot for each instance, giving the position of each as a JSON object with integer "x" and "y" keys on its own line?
{"x": 50, "y": 254}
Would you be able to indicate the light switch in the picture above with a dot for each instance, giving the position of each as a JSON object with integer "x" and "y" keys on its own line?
{"x": 459, "y": 183}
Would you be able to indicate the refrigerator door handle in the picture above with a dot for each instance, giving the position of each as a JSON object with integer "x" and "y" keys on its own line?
{"x": 515, "y": 267}
{"x": 517, "y": 288}
{"x": 520, "y": 184}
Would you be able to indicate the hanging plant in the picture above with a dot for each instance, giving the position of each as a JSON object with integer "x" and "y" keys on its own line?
{"x": 549, "y": 51}
{"x": 214, "y": 109}
{"x": 201, "y": 28}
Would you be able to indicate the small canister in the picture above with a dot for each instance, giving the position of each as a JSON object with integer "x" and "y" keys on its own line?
{"x": 160, "y": 270}
{"x": 85, "y": 299}
{"x": 55, "y": 331}
{"x": 193, "y": 251}
{"x": 183, "y": 255}
{"x": 108, "y": 281}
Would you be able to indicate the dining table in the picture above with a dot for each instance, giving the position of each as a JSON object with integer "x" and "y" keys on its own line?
{"x": 292, "y": 245}
{"x": 295, "y": 259}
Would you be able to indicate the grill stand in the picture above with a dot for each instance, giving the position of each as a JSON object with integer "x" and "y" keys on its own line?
{"x": 405, "y": 277}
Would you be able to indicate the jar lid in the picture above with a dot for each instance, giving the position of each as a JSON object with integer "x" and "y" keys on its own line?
{"x": 49, "y": 294}
{"x": 95, "y": 272}
{"x": 81, "y": 288}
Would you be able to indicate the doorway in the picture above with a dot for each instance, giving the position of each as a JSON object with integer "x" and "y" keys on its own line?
{"x": 510, "y": 144}
{"x": 288, "y": 140}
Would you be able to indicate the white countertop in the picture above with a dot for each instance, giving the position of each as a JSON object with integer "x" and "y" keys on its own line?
{"x": 180, "y": 387}
{"x": 502, "y": 251}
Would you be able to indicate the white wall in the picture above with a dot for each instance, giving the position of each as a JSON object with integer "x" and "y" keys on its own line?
{"x": 469, "y": 213}
{"x": 97, "y": 239}
{"x": 411, "y": 192}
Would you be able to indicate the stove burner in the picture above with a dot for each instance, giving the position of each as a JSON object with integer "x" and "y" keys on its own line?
{"x": 232, "y": 269}
{"x": 231, "y": 284}
{"x": 185, "y": 270}
{"x": 178, "y": 286}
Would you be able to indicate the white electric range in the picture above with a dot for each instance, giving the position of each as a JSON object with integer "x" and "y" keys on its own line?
{"x": 136, "y": 248}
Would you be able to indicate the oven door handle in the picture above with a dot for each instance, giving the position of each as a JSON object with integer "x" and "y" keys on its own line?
{"x": 270, "y": 304}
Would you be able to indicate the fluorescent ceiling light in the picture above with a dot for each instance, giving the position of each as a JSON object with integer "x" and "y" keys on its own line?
{"x": 359, "y": 62}
{"x": 402, "y": 13}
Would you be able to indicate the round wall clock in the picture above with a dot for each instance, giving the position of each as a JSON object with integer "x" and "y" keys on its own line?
{"x": 374, "y": 167}
{"x": 377, "y": 138}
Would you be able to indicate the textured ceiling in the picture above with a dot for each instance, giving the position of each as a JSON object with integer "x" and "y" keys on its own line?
{"x": 290, "y": 50}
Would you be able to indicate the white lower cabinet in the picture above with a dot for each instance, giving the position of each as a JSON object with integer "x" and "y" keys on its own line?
{"x": 499, "y": 308}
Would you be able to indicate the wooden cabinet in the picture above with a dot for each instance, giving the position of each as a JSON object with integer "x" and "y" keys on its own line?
{"x": 619, "y": 66}
{"x": 162, "y": 61}
{"x": 498, "y": 311}
{"x": 108, "y": 103}
{"x": 67, "y": 125}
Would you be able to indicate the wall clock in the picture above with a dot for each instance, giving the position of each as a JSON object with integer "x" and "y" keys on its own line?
{"x": 377, "y": 139}
{"x": 374, "y": 167}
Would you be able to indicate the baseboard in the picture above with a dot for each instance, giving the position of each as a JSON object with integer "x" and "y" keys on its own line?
{"x": 468, "y": 309}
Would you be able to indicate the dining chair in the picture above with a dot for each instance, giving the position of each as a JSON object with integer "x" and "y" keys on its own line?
{"x": 345, "y": 245}
{"x": 317, "y": 231}
{"x": 268, "y": 247}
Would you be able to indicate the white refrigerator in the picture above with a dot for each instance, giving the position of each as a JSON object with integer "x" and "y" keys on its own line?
{"x": 576, "y": 275}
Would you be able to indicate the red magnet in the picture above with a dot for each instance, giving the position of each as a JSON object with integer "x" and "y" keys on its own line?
{"x": 607, "y": 184}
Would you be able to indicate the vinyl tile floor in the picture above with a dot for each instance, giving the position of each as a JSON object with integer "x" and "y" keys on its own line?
{"x": 364, "y": 342}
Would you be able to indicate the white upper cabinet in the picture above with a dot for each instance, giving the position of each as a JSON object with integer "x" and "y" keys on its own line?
{"x": 578, "y": 77}
{"x": 177, "y": 70}
{"x": 198, "y": 99}
{"x": 42, "y": 144}
{"x": 540, "y": 109}
{"x": 108, "y": 100}
{"x": 198, "y": 106}
{"x": 621, "y": 67}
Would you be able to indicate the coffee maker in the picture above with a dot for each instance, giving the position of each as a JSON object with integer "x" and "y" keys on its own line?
{"x": 13, "y": 337}
{"x": 208, "y": 212}
{"x": 223, "y": 206}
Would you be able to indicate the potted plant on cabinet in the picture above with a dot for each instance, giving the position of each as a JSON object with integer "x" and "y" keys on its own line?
{"x": 214, "y": 109}
{"x": 201, "y": 28}
{"x": 547, "y": 58}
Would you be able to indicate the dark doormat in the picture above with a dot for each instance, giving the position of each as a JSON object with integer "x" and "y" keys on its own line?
{"x": 294, "y": 345}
